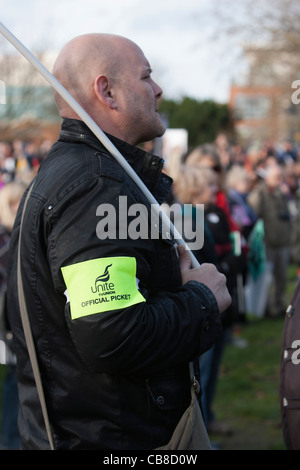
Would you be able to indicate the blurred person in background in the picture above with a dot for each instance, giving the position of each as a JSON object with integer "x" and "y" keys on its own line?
{"x": 286, "y": 153}
{"x": 206, "y": 155}
{"x": 295, "y": 237}
{"x": 238, "y": 184}
{"x": 7, "y": 163}
{"x": 199, "y": 185}
{"x": 10, "y": 196}
{"x": 224, "y": 150}
{"x": 270, "y": 203}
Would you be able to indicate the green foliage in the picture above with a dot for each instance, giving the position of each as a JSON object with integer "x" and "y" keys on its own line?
{"x": 248, "y": 388}
{"x": 202, "y": 119}
{"x": 247, "y": 397}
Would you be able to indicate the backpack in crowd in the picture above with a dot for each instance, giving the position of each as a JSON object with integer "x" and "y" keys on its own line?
{"x": 290, "y": 374}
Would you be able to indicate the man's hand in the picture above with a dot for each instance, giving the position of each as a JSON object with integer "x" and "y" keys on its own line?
{"x": 208, "y": 275}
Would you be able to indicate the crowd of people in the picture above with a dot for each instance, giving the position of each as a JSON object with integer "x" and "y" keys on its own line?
{"x": 19, "y": 162}
{"x": 251, "y": 232}
{"x": 239, "y": 189}
{"x": 20, "y": 159}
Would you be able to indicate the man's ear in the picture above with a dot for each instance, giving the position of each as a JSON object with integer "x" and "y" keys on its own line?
{"x": 104, "y": 91}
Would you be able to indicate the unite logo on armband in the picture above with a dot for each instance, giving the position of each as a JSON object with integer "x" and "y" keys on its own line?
{"x": 100, "y": 285}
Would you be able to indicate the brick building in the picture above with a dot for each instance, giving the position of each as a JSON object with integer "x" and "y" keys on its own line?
{"x": 261, "y": 101}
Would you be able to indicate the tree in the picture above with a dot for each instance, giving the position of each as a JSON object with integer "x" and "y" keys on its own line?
{"x": 267, "y": 32}
{"x": 267, "y": 36}
{"x": 202, "y": 119}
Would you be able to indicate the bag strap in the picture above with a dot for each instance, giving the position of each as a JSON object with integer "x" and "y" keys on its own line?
{"x": 28, "y": 332}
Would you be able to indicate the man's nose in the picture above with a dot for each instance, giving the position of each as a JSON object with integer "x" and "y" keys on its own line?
{"x": 157, "y": 90}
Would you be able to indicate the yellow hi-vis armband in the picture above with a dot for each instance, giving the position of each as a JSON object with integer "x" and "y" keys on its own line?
{"x": 100, "y": 285}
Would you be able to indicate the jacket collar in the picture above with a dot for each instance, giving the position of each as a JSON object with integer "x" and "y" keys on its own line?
{"x": 147, "y": 166}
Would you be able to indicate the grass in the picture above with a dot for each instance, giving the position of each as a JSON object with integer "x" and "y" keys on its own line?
{"x": 247, "y": 395}
{"x": 248, "y": 389}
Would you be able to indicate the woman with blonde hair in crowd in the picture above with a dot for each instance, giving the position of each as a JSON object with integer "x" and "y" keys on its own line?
{"x": 206, "y": 155}
{"x": 198, "y": 185}
{"x": 10, "y": 196}
{"x": 195, "y": 184}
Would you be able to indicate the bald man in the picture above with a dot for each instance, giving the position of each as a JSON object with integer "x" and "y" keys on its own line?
{"x": 116, "y": 317}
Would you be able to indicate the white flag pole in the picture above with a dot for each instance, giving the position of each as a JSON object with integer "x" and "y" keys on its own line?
{"x": 98, "y": 133}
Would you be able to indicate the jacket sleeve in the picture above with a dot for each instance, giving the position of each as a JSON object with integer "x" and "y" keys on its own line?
{"x": 117, "y": 322}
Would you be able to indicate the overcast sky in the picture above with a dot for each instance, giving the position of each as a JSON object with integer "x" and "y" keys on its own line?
{"x": 174, "y": 35}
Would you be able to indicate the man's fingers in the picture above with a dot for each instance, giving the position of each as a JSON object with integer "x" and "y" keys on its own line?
{"x": 184, "y": 258}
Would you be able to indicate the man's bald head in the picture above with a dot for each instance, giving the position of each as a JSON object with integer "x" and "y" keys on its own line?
{"x": 84, "y": 58}
{"x": 109, "y": 76}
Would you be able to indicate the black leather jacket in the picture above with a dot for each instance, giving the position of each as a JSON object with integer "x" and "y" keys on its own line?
{"x": 116, "y": 379}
